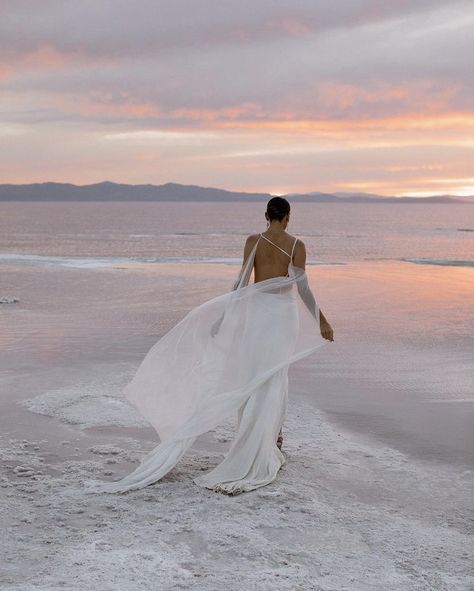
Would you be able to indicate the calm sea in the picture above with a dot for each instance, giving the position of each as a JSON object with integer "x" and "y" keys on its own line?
{"x": 333, "y": 233}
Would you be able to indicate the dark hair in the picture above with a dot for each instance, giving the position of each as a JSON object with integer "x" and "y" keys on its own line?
{"x": 277, "y": 208}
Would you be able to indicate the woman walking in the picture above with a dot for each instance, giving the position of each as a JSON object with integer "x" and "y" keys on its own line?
{"x": 230, "y": 357}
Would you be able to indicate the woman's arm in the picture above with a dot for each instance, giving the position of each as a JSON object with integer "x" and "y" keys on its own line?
{"x": 249, "y": 244}
{"x": 307, "y": 295}
{"x": 326, "y": 328}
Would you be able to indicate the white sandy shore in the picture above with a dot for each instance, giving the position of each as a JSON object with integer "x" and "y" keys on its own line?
{"x": 342, "y": 514}
{"x": 346, "y": 511}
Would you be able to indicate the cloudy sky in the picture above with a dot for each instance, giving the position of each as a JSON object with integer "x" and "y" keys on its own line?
{"x": 266, "y": 95}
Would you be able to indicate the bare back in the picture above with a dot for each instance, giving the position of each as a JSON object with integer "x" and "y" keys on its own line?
{"x": 273, "y": 256}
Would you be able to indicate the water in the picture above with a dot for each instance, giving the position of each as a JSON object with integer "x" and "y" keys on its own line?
{"x": 332, "y": 232}
{"x": 98, "y": 282}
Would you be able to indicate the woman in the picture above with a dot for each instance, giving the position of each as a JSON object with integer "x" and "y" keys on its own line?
{"x": 230, "y": 356}
{"x": 270, "y": 263}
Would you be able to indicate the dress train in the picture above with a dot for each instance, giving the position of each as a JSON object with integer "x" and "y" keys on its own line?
{"x": 253, "y": 459}
{"x": 227, "y": 357}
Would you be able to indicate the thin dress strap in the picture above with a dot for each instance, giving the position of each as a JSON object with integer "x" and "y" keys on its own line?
{"x": 289, "y": 255}
{"x": 293, "y": 249}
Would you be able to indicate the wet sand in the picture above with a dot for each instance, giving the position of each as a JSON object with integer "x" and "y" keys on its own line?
{"x": 377, "y": 489}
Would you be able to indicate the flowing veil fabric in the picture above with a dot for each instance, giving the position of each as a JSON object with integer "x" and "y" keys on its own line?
{"x": 228, "y": 356}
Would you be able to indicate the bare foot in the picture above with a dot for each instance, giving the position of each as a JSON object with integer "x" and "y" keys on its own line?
{"x": 279, "y": 440}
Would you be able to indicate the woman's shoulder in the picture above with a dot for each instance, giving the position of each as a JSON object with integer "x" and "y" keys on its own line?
{"x": 252, "y": 239}
{"x": 296, "y": 240}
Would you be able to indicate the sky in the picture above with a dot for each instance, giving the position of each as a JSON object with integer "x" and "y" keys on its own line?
{"x": 248, "y": 95}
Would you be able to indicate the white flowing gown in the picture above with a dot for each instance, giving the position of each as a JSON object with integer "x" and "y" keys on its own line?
{"x": 228, "y": 357}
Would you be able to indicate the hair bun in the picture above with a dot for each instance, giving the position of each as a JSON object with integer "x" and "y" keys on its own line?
{"x": 278, "y": 208}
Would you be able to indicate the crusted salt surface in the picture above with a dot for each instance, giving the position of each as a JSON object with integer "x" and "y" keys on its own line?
{"x": 90, "y": 402}
{"x": 341, "y": 514}
{"x": 8, "y": 300}
{"x": 225, "y": 431}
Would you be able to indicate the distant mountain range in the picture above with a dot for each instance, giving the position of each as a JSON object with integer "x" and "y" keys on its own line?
{"x": 108, "y": 191}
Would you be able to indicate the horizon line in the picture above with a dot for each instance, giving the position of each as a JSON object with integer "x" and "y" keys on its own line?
{"x": 412, "y": 196}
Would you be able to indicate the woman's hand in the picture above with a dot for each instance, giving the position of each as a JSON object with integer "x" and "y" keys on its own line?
{"x": 326, "y": 330}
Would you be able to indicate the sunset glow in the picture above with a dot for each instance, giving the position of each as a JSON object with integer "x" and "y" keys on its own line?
{"x": 282, "y": 98}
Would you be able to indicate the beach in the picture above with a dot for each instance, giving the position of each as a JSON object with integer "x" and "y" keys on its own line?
{"x": 358, "y": 505}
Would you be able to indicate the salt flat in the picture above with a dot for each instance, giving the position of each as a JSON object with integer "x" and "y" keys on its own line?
{"x": 340, "y": 515}
{"x": 353, "y": 508}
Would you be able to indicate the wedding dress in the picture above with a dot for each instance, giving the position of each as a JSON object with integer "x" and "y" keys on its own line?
{"x": 228, "y": 357}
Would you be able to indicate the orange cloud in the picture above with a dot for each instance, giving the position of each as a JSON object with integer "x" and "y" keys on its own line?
{"x": 459, "y": 121}
{"x": 106, "y": 105}
{"x": 47, "y": 57}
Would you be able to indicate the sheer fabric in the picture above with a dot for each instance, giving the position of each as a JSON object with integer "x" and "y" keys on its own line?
{"x": 228, "y": 356}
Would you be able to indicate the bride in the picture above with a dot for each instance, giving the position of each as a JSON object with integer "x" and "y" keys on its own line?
{"x": 229, "y": 357}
